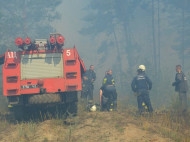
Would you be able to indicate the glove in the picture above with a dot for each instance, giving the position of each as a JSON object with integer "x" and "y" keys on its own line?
{"x": 134, "y": 90}
{"x": 135, "y": 94}
{"x": 174, "y": 84}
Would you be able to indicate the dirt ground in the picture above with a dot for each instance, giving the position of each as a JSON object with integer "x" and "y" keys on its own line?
{"x": 86, "y": 127}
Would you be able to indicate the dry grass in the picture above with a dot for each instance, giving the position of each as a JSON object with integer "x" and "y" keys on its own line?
{"x": 167, "y": 124}
{"x": 123, "y": 125}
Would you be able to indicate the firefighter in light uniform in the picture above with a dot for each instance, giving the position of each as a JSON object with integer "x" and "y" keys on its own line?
{"x": 181, "y": 87}
{"x": 141, "y": 85}
{"x": 88, "y": 84}
{"x": 108, "y": 94}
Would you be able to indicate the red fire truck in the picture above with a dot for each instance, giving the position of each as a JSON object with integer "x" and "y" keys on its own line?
{"x": 42, "y": 72}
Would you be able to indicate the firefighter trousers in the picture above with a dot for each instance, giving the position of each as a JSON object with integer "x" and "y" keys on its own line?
{"x": 87, "y": 93}
{"x": 183, "y": 101}
{"x": 109, "y": 100}
{"x": 143, "y": 101}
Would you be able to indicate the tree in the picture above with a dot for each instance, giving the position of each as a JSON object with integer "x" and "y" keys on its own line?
{"x": 181, "y": 21}
{"x": 159, "y": 68}
{"x": 25, "y": 18}
{"x": 154, "y": 42}
{"x": 111, "y": 18}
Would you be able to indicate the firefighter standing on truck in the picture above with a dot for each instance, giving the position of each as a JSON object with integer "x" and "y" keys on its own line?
{"x": 181, "y": 87}
{"x": 141, "y": 85}
{"x": 88, "y": 84}
{"x": 108, "y": 94}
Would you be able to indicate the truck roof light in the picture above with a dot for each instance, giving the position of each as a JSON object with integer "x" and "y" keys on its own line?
{"x": 18, "y": 41}
{"x": 60, "y": 39}
{"x": 27, "y": 41}
{"x": 52, "y": 40}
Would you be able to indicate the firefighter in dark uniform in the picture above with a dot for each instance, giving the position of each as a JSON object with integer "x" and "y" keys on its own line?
{"x": 88, "y": 84}
{"x": 181, "y": 87}
{"x": 141, "y": 85}
{"x": 108, "y": 94}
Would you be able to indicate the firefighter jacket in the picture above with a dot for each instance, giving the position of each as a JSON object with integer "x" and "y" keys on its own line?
{"x": 91, "y": 77}
{"x": 141, "y": 83}
{"x": 108, "y": 80}
{"x": 180, "y": 83}
{"x": 108, "y": 87}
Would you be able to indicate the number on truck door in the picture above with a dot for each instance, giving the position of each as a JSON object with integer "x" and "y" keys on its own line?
{"x": 68, "y": 52}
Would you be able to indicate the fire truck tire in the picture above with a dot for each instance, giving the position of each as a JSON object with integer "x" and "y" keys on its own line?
{"x": 72, "y": 108}
{"x": 44, "y": 99}
{"x": 17, "y": 113}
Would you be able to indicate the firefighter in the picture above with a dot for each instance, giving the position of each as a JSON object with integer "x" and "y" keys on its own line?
{"x": 141, "y": 85}
{"x": 181, "y": 87}
{"x": 88, "y": 84}
{"x": 108, "y": 94}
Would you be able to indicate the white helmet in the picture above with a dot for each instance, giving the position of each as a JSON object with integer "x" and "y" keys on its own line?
{"x": 142, "y": 67}
{"x": 93, "y": 108}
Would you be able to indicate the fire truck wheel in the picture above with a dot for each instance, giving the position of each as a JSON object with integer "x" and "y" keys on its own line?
{"x": 72, "y": 109}
{"x": 18, "y": 113}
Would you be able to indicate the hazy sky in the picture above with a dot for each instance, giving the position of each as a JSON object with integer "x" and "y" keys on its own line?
{"x": 71, "y": 22}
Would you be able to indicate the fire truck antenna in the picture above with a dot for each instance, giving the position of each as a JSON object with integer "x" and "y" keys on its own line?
{"x": 24, "y": 17}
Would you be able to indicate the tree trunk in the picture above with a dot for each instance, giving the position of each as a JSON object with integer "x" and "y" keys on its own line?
{"x": 159, "y": 69}
{"x": 154, "y": 43}
{"x": 183, "y": 26}
{"x": 118, "y": 60}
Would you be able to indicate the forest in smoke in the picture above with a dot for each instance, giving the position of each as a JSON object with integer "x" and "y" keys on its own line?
{"x": 113, "y": 34}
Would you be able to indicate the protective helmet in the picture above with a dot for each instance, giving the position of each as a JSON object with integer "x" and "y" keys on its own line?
{"x": 93, "y": 108}
{"x": 143, "y": 104}
{"x": 142, "y": 67}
